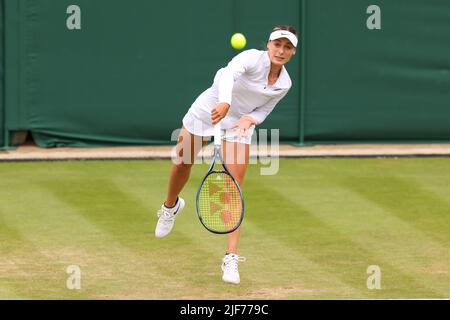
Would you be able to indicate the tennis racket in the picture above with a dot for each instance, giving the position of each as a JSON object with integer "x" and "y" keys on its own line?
{"x": 220, "y": 204}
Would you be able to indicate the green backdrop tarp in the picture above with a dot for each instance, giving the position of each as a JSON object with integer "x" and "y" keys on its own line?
{"x": 386, "y": 84}
{"x": 134, "y": 68}
{"x": 132, "y": 71}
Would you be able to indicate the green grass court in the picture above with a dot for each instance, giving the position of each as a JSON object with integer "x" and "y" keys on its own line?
{"x": 310, "y": 232}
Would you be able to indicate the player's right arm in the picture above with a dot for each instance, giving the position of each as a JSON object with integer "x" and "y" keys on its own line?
{"x": 240, "y": 64}
{"x": 219, "y": 112}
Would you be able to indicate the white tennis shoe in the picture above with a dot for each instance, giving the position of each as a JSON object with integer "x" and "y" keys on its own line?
{"x": 230, "y": 268}
{"x": 167, "y": 218}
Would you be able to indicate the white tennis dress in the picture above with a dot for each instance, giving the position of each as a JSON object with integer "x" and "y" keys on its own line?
{"x": 243, "y": 85}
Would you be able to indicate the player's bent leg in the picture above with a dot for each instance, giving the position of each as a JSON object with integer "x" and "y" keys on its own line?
{"x": 187, "y": 149}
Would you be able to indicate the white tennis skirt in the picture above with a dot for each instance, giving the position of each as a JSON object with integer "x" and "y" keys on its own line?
{"x": 199, "y": 127}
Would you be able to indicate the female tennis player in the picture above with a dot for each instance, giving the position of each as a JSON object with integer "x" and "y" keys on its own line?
{"x": 243, "y": 94}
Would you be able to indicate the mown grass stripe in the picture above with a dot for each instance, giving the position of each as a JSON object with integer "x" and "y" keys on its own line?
{"x": 311, "y": 245}
{"x": 107, "y": 266}
{"x": 406, "y": 200}
{"x": 325, "y": 243}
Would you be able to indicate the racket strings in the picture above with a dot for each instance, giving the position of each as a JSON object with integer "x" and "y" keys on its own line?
{"x": 220, "y": 202}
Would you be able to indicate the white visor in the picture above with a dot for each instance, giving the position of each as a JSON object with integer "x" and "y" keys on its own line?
{"x": 284, "y": 34}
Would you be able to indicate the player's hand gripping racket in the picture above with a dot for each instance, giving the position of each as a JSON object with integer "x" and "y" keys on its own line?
{"x": 220, "y": 204}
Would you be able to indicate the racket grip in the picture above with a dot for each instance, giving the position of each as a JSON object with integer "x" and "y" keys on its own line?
{"x": 217, "y": 134}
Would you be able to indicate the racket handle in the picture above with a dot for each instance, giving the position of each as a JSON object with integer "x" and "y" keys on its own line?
{"x": 217, "y": 134}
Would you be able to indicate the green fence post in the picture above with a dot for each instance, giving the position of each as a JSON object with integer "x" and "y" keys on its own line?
{"x": 2, "y": 75}
{"x": 302, "y": 73}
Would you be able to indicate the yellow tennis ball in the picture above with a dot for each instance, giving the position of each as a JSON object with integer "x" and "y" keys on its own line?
{"x": 238, "y": 41}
